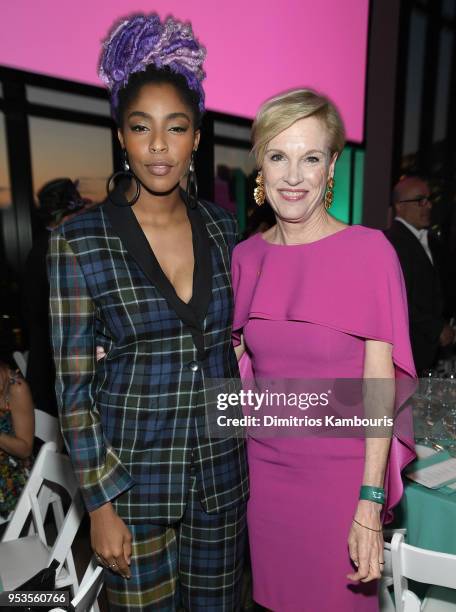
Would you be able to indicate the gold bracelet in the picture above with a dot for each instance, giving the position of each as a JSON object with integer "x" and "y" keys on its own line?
{"x": 365, "y": 527}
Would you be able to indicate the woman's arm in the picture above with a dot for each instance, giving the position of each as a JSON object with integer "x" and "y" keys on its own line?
{"x": 22, "y": 413}
{"x": 365, "y": 540}
{"x": 101, "y": 475}
{"x": 379, "y": 399}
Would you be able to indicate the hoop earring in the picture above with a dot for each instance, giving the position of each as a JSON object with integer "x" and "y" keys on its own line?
{"x": 192, "y": 184}
{"x": 128, "y": 174}
{"x": 329, "y": 195}
{"x": 259, "y": 193}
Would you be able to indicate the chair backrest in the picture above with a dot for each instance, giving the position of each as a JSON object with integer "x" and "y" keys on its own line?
{"x": 385, "y": 601}
{"x": 412, "y": 563}
{"x": 6, "y": 519}
{"x": 29, "y": 500}
{"x": 411, "y": 602}
{"x": 387, "y": 558}
{"x": 50, "y": 469}
{"x": 47, "y": 428}
{"x": 21, "y": 361}
{"x": 85, "y": 599}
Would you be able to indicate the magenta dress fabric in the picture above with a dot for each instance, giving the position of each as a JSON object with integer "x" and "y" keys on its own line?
{"x": 305, "y": 312}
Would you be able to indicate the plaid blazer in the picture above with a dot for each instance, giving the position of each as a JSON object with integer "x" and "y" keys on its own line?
{"x": 134, "y": 422}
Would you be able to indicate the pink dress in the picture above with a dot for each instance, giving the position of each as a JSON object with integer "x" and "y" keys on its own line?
{"x": 305, "y": 312}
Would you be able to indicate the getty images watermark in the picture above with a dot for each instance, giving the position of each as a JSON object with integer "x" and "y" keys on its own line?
{"x": 322, "y": 407}
{"x": 303, "y": 401}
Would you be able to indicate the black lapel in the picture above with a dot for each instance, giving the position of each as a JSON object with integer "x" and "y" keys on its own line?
{"x": 202, "y": 285}
{"x": 126, "y": 226}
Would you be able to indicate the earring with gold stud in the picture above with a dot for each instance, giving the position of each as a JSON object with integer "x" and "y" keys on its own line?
{"x": 258, "y": 192}
{"x": 329, "y": 195}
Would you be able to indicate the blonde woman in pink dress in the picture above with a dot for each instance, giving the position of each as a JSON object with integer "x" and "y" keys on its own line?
{"x": 315, "y": 298}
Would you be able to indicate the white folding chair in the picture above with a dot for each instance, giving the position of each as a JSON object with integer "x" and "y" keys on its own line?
{"x": 21, "y": 361}
{"x": 385, "y": 601}
{"x": 427, "y": 566}
{"x": 47, "y": 428}
{"x": 44, "y": 498}
{"x": 22, "y": 557}
{"x": 86, "y": 597}
{"x": 386, "y": 581}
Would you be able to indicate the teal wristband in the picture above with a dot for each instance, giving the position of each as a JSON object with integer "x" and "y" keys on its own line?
{"x": 375, "y": 494}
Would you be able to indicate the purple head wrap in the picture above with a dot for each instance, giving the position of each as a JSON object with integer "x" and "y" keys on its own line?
{"x": 141, "y": 40}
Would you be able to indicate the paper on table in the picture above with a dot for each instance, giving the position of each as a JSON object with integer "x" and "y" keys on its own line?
{"x": 435, "y": 475}
{"x": 422, "y": 452}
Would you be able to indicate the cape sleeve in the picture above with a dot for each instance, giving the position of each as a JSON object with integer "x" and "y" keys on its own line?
{"x": 394, "y": 328}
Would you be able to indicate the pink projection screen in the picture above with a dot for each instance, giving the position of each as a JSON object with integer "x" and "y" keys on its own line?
{"x": 255, "y": 48}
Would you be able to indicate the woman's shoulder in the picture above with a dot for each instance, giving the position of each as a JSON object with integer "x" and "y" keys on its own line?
{"x": 253, "y": 242}
{"x": 18, "y": 387}
{"x": 86, "y": 224}
{"x": 248, "y": 247}
{"x": 373, "y": 241}
{"x": 221, "y": 221}
{"x": 217, "y": 213}
{"x": 370, "y": 256}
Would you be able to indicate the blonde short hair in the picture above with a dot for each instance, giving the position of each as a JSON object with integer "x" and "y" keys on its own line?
{"x": 280, "y": 112}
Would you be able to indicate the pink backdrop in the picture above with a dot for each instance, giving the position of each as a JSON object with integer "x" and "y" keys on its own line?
{"x": 256, "y": 48}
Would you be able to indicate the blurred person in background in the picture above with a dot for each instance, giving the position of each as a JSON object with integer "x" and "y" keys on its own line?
{"x": 409, "y": 236}
{"x": 59, "y": 200}
{"x": 260, "y": 220}
{"x": 17, "y": 428}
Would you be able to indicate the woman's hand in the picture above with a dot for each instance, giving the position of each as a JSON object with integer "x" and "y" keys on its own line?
{"x": 366, "y": 546}
{"x": 240, "y": 349}
{"x": 101, "y": 354}
{"x": 111, "y": 540}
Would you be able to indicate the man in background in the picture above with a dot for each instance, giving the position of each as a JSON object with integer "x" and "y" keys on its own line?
{"x": 409, "y": 236}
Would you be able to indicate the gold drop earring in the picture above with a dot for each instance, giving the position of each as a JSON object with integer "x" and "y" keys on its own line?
{"x": 329, "y": 194}
{"x": 258, "y": 192}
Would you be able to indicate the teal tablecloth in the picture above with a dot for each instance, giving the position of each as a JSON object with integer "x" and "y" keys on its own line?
{"x": 429, "y": 516}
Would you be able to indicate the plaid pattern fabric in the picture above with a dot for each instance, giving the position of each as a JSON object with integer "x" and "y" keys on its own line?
{"x": 195, "y": 565}
{"x": 133, "y": 421}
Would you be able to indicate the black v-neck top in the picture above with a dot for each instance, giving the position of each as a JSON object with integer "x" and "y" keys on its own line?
{"x": 127, "y": 227}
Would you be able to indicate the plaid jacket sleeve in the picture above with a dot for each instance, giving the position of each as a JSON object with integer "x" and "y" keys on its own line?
{"x": 233, "y": 235}
{"x": 101, "y": 475}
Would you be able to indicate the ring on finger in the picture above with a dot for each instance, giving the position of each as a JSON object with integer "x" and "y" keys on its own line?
{"x": 371, "y": 564}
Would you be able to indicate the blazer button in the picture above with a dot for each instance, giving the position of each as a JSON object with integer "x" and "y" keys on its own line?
{"x": 193, "y": 366}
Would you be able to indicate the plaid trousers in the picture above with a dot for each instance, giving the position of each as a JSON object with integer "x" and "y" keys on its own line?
{"x": 194, "y": 565}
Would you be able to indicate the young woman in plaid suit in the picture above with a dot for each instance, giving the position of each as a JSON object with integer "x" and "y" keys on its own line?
{"x": 146, "y": 275}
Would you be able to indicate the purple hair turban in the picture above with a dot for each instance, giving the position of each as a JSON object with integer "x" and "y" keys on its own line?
{"x": 141, "y": 40}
